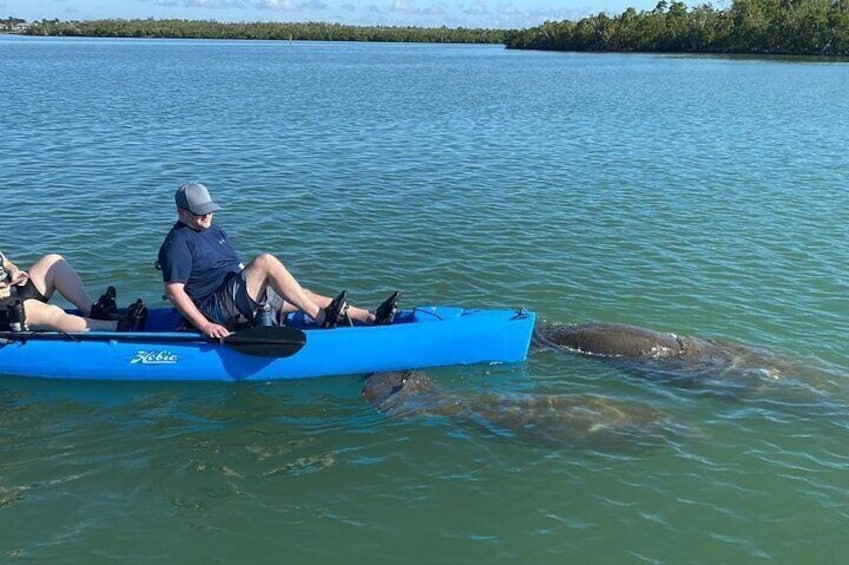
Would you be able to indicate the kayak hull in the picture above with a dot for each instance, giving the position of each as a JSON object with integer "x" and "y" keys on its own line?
{"x": 422, "y": 337}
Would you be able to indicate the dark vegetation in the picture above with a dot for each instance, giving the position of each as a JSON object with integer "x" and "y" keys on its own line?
{"x": 785, "y": 27}
{"x": 315, "y": 31}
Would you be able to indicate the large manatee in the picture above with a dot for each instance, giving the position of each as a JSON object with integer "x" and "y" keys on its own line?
{"x": 687, "y": 361}
{"x": 584, "y": 420}
{"x": 615, "y": 340}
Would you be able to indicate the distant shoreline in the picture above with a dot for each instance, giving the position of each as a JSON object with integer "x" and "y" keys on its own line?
{"x": 802, "y": 28}
{"x": 196, "y": 29}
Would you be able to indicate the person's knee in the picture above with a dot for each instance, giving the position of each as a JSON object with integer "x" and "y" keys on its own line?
{"x": 52, "y": 258}
{"x": 267, "y": 261}
{"x": 46, "y": 262}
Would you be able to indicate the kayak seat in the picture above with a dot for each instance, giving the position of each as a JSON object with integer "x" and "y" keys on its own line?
{"x": 164, "y": 320}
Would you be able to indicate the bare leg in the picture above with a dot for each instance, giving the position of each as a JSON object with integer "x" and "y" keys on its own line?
{"x": 41, "y": 316}
{"x": 267, "y": 269}
{"x": 51, "y": 273}
{"x": 356, "y": 313}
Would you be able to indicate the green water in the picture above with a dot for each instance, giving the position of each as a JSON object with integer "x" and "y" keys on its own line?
{"x": 703, "y": 196}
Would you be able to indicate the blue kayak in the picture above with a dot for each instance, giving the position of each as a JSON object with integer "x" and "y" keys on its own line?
{"x": 421, "y": 337}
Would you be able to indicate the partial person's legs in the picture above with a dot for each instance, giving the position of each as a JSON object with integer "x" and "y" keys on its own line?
{"x": 354, "y": 312}
{"x": 267, "y": 269}
{"x": 51, "y": 273}
{"x": 41, "y": 316}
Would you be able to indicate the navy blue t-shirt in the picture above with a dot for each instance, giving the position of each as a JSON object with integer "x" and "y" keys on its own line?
{"x": 200, "y": 259}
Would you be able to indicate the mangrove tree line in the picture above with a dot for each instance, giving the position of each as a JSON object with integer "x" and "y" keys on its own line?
{"x": 315, "y": 31}
{"x": 787, "y": 27}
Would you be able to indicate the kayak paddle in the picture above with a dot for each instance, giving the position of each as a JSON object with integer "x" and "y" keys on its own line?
{"x": 262, "y": 341}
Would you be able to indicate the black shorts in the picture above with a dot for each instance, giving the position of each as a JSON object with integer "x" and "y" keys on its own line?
{"x": 232, "y": 307}
{"x": 27, "y": 291}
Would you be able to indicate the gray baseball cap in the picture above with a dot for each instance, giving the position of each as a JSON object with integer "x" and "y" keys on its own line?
{"x": 195, "y": 198}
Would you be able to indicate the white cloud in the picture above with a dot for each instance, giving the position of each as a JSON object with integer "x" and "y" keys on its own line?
{"x": 476, "y": 9}
{"x": 201, "y": 4}
{"x": 402, "y": 7}
{"x": 281, "y": 5}
{"x": 213, "y": 4}
{"x": 435, "y": 10}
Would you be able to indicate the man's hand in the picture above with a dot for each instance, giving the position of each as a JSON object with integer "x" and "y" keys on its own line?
{"x": 214, "y": 331}
{"x": 176, "y": 293}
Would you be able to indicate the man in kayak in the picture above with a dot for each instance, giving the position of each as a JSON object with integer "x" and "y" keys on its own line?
{"x": 217, "y": 293}
{"x": 32, "y": 289}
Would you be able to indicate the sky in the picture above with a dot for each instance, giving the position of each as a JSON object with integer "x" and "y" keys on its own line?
{"x": 424, "y": 13}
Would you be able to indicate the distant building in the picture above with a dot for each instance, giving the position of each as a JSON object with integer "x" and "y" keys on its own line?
{"x": 14, "y": 25}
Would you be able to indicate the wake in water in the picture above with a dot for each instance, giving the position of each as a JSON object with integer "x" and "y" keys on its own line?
{"x": 691, "y": 362}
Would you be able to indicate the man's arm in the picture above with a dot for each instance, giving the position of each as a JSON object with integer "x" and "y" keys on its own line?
{"x": 176, "y": 293}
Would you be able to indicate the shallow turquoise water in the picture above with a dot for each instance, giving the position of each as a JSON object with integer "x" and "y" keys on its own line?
{"x": 704, "y": 196}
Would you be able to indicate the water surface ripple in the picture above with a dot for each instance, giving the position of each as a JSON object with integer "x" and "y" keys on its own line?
{"x": 698, "y": 195}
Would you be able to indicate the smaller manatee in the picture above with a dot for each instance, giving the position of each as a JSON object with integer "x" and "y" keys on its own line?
{"x": 584, "y": 420}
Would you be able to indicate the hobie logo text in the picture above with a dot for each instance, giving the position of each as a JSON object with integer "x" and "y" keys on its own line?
{"x": 154, "y": 358}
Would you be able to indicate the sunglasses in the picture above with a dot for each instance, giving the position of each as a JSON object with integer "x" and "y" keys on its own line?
{"x": 198, "y": 215}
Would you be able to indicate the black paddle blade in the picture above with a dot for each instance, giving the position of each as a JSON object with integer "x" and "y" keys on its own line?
{"x": 267, "y": 341}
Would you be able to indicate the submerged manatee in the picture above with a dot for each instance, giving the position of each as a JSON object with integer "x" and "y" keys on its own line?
{"x": 583, "y": 420}
{"x": 687, "y": 361}
{"x": 614, "y": 340}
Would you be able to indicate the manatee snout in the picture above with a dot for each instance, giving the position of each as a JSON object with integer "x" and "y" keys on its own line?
{"x": 397, "y": 390}
{"x": 380, "y": 386}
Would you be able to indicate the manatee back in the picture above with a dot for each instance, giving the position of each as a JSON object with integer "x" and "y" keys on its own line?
{"x": 611, "y": 340}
